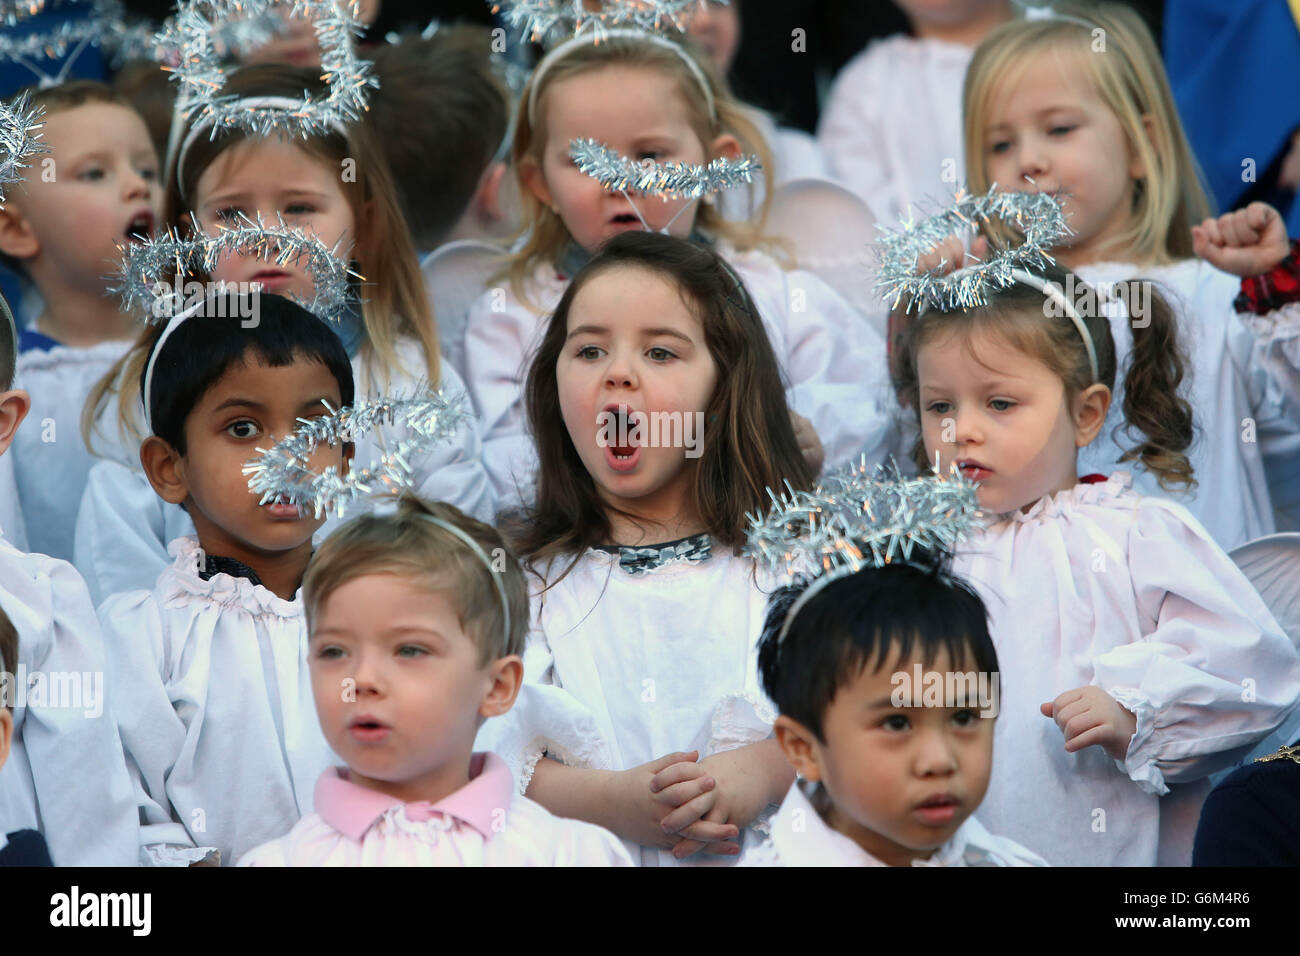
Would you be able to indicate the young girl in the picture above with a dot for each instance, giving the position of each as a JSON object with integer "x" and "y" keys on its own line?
{"x": 122, "y": 529}
{"x": 650, "y": 98}
{"x": 642, "y": 658}
{"x": 1057, "y": 104}
{"x": 1134, "y": 652}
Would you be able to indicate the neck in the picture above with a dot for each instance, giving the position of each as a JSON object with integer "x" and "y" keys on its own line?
{"x": 652, "y": 520}
{"x": 281, "y": 572}
{"x": 432, "y": 786}
{"x": 881, "y": 847}
{"x": 970, "y": 32}
{"x": 83, "y": 317}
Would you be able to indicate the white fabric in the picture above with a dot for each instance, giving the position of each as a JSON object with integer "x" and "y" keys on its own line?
{"x": 795, "y": 155}
{"x": 1097, "y": 586}
{"x": 832, "y": 357}
{"x": 123, "y": 527}
{"x": 51, "y": 462}
{"x": 800, "y": 837}
{"x": 622, "y": 669}
{"x": 66, "y": 775}
{"x": 892, "y": 127}
{"x": 215, "y": 709}
{"x": 11, "y": 514}
{"x": 1244, "y": 389}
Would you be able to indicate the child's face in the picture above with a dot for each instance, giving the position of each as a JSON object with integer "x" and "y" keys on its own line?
{"x": 400, "y": 693}
{"x": 1007, "y": 426}
{"x": 634, "y": 344}
{"x": 901, "y": 780}
{"x": 716, "y": 27}
{"x": 102, "y": 189}
{"x": 1052, "y": 127}
{"x": 635, "y": 111}
{"x": 274, "y": 177}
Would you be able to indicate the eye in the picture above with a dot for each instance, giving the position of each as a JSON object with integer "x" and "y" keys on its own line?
{"x": 243, "y": 429}
{"x": 651, "y": 154}
{"x": 1060, "y": 130}
{"x": 91, "y": 175}
{"x": 329, "y": 653}
{"x": 149, "y": 174}
{"x": 228, "y": 213}
{"x": 1001, "y": 404}
{"x": 299, "y": 209}
{"x": 896, "y": 723}
{"x": 411, "y": 651}
{"x": 939, "y": 407}
{"x": 660, "y": 354}
{"x": 1001, "y": 146}
{"x": 965, "y": 718}
{"x": 590, "y": 352}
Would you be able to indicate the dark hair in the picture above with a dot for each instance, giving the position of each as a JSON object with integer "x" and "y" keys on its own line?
{"x": 748, "y": 448}
{"x": 441, "y": 114}
{"x": 8, "y": 654}
{"x": 1153, "y": 410}
{"x": 8, "y": 345}
{"x": 203, "y": 348}
{"x": 855, "y": 622}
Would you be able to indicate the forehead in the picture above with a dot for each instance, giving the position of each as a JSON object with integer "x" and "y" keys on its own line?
{"x": 1044, "y": 81}
{"x": 408, "y": 600}
{"x": 615, "y": 102}
{"x": 271, "y": 163}
{"x": 974, "y": 355}
{"x": 283, "y": 386}
{"x": 629, "y": 295}
{"x": 95, "y": 125}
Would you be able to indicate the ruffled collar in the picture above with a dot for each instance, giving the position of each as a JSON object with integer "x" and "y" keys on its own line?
{"x": 186, "y": 583}
{"x": 1064, "y": 502}
{"x": 693, "y": 549}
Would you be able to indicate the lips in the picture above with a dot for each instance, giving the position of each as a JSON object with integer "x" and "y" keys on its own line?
{"x": 937, "y": 810}
{"x": 621, "y": 457}
{"x": 272, "y": 280}
{"x": 140, "y": 226}
{"x": 974, "y": 470}
{"x": 368, "y": 729}
{"x": 279, "y": 508}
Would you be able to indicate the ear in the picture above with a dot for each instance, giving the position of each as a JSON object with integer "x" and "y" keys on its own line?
{"x": 487, "y": 198}
{"x": 1136, "y": 169}
{"x": 530, "y": 174}
{"x": 14, "y": 406}
{"x": 1090, "y": 409}
{"x": 725, "y": 146}
{"x": 505, "y": 676}
{"x": 17, "y": 237}
{"x": 6, "y": 730}
{"x": 165, "y": 470}
{"x": 800, "y": 746}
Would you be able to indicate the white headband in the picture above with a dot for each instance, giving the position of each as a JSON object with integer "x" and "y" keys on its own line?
{"x": 1054, "y": 292}
{"x": 8, "y": 317}
{"x": 172, "y": 325}
{"x": 582, "y": 42}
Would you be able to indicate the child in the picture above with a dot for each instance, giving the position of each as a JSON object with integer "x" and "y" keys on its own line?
{"x": 392, "y": 343}
{"x": 209, "y": 666}
{"x": 22, "y": 847}
{"x": 892, "y": 125}
{"x": 650, "y": 98}
{"x": 1044, "y": 103}
{"x": 421, "y": 677}
{"x": 65, "y": 775}
{"x": 642, "y": 657}
{"x": 61, "y": 229}
{"x": 1126, "y": 635}
{"x": 891, "y": 784}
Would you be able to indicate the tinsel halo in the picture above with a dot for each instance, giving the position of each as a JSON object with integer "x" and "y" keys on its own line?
{"x": 19, "y": 139}
{"x": 145, "y": 266}
{"x": 548, "y": 19}
{"x": 107, "y": 26}
{"x": 1036, "y": 215}
{"x": 281, "y": 472}
{"x": 617, "y": 172}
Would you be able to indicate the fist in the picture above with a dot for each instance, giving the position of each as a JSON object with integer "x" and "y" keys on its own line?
{"x": 950, "y": 255}
{"x": 1248, "y": 242}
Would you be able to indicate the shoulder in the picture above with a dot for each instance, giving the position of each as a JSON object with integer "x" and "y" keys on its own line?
{"x": 984, "y": 849}
{"x": 42, "y": 581}
{"x": 310, "y": 840}
{"x": 60, "y": 361}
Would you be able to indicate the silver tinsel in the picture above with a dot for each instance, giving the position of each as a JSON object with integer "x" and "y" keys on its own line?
{"x": 19, "y": 139}
{"x": 1036, "y": 215}
{"x": 148, "y": 264}
{"x": 191, "y": 33}
{"x": 550, "y": 19}
{"x": 281, "y": 472}
{"x": 669, "y": 180}
{"x": 11, "y": 11}
{"x": 860, "y": 516}
{"x": 107, "y": 27}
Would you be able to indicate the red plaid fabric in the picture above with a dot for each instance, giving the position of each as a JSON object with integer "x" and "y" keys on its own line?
{"x": 1272, "y": 290}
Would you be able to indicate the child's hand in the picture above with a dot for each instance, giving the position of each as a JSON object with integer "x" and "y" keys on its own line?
{"x": 742, "y": 791}
{"x": 1089, "y": 716}
{"x": 810, "y": 446}
{"x": 951, "y": 253}
{"x": 1248, "y": 242}
{"x": 639, "y": 808}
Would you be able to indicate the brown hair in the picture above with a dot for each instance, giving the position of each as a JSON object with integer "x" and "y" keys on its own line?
{"x": 8, "y": 654}
{"x": 408, "y": 544}
{"x": 441, "y": 114}
{"x": 749, "y": 444}
{"x": 1153, "y": 410}
{"x": 149, "y": 90}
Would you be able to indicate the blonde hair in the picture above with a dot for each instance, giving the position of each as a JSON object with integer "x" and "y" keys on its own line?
{"x": 545, "y": 232}
{"x": 1129, "y": 78}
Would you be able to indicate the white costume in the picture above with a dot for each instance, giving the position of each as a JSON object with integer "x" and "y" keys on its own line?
{"x": 11, "y": 513}
{"x": 216, "y": 712}
{"x": 66, "y": 775}
{"x": 622, "y": 668}
{"x": 795, "y": 155}
{"x": 892, "y": 127}
{"x": 800, "y": 837}
{"x": 1099, "y": 586}
{"x": 51, "y": 461}
{"x": 833, "y": 360}
{"x": 484, "y": 823}
{"x": 1243, "y": 383}
{"x": 123, "y": 527}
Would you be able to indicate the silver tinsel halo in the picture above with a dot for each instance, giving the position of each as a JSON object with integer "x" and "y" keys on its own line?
{"x": 107, "y": 27}
{"x": 617, "y": 172}
{"x": 192, "y": 30}
{"x": 19, "y": 139}
{"x": 281, "y": 472}
{"x": 145, "y": 265}
{"x": 543, "y": 19}
{"x": 859, "y": 516}
{"x": 1036, "y": 215}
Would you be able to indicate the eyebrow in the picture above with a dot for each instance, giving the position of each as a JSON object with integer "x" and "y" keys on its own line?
{"x": 649, "y": 333}
{"x": 1060, "y": 108}
{"x": 881, "y": 704}
{"x": 237, "y": 402}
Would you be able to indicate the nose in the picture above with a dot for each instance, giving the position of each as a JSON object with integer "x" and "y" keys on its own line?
{"x": 619, "y": 373}
{"x": 368, "y": 675}
{"x": 967, "y": 428}
{"x": 934, "y": 755}
{"x": 135, "y": 186}
{"x": 1032, "y": 159}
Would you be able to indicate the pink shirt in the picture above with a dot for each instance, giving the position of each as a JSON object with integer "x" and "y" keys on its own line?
{"x": 484, "y": 823}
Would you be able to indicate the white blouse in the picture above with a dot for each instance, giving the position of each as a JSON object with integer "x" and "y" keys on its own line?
{"x": 1097, "y": 586}
{"x": 484, "y": 823}
{"x": 123, "y": 527}
{"x": 892, "y": 127}
{"x": 621, "y": 669}
{"x": 11, "y": 514}
{"x": 51, "y": 462}
{"x": 833, "y": 360}
{"x": 800, "y": 837}
{"x": 66, "y": 775}
{"x": 1243, "y": 383}
{"x": 216, "y": 712}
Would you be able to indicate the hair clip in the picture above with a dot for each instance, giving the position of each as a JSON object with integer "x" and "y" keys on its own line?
{"x": 106, "y": 25}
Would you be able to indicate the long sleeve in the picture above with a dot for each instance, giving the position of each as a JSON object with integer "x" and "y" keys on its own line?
{"x": 1274, "y": 382}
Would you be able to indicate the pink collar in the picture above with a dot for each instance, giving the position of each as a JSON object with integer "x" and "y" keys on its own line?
{"x": 352, "y": 809}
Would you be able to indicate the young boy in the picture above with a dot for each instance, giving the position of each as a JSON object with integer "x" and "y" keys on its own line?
{"x": 59, "y": 229}
{"x": 401, "y": 693}
{"x": 886, "y": 681}
{"x": 65, "y": 774}
{"x": 210, "y": 666}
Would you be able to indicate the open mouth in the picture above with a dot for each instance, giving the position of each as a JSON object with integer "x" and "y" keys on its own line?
{"x": 140, "y": 227}
{"x": 368, "y": 730}
{"x": 282, "y": 508}
{"x": 621, "y": 452}
{"x": 938, "y": 809}
{"x": 973, "y": 470}
{"x": 625, "y": 219}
